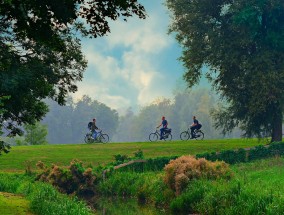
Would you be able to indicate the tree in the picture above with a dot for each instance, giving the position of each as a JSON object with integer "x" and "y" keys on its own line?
{"x": 242, "y": 43}
{"x": 59, "y": 121}
{"x": 36, "y": 134}
{"x": 4, "y": 146}
{"x": 126, "y": 127}
{"x": 85, "y": 110}
{"x": 68, "y": 124}
{"x": 40, "y": 50}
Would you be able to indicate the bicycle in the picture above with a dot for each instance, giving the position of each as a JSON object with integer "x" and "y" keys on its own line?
{"x": 166, "y": 135}
{"x": 185, "y": 135}
{"x": 100, "y": 138}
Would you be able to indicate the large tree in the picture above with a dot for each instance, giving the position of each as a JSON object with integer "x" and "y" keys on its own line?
{"x": 242, "y": 42}
{"x": 40, "y": 50}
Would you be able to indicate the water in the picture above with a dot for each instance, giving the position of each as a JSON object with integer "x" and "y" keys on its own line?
{"x": 125, "y": 206}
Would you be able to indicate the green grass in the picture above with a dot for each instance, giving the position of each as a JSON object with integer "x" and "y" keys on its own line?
{"x": 103, "y": 153}
{"x": 13, "y": 204}
{"x": 39, "y": 198}
{"x": 255, "y": 188}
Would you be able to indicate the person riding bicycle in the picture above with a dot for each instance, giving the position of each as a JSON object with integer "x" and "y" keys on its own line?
{"x": 94, "y": 129}
{"x": 194, "y": 126}
{"x": 164, "y": 128}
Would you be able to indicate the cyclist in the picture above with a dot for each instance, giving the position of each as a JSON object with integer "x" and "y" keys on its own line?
{"x": 165, "y": 126}
{"x": 94, "y": 129}
{"x": 194, "y": 125}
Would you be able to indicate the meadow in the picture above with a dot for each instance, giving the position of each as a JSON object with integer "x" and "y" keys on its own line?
{"x": 21, "y": 157}
{"x": 255, "y": 188}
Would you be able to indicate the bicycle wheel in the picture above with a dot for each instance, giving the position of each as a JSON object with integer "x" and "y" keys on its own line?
{"x": 184, "y": 135}
{"x": 153, "y": 137}
{"x": 104, "y": 138}
{"x": 170, "y": 137}
{"x": 88, "y": 138}
{"x": 199, "y": 135}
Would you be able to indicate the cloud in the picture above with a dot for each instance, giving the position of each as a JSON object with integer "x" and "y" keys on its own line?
{"x": 125, "y": 67}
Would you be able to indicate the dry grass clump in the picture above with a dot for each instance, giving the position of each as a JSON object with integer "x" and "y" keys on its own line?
{"x": 72, "y": 180}
{"x": 184, "y": 169}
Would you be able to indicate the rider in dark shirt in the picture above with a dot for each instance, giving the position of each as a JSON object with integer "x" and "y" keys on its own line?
{"x": 194, "y": 125}
{"x": 94, "y": 128}
{"x": 165, "y": 126}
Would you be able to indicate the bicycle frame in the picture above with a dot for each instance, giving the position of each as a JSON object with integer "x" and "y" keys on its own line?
{"x": 158, "y": 133}
{"x": 100, "y": 137}
{"x": 198, "y": 134}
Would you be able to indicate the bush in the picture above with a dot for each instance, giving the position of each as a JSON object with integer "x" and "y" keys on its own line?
{"x": 259, "y": 152}
{"x": 73, "y": 180}
{"x": 180, "y": 172}
{"x": 241, "y": 155}
{"x": 276, "y": 148}
{"x": 232, "y": 157}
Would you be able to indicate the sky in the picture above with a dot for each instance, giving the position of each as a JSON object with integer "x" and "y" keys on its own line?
{"x": 134, "y": 64}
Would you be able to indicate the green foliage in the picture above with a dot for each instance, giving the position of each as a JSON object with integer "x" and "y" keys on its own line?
{"x": 256, "y": 187}
{"x": 259, "y": 152}
{"x": 121, "y": 158}
{"x": 44, "y": 199}
{"x": 41, "y": 53}
{"x": 20, "y": 140}
{"x": 241, "y": 44}
{"x": 139, "y": 154}
{"x": 36, "y": 134}
{"x": 178, "y": 112}
{"x": 241, "y": 155}
{"x": 277, "y": 148}
{"x": 4, "y": 147}
{"x": 232, "y": 157}
{"x": 103, "y": 154}
{"x": 146, "y": 187}
{"x": 74, "y": 118}
{"x": 184, "y": 203}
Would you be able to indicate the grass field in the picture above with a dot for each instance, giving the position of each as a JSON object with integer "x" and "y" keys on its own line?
{"x": 22, "y": 156}
{"x": 13, "y": 204}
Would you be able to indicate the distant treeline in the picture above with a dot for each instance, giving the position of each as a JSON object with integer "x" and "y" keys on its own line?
{"x": 68, "y": 124}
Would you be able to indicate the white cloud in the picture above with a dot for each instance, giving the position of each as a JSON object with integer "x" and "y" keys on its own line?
{"x": 124, "y": 68}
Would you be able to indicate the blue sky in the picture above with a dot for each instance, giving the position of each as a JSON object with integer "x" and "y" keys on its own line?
{"x": 135, "y": 64}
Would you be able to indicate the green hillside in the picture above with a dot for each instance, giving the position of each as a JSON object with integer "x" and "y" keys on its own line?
{"x": 95, "y": 154}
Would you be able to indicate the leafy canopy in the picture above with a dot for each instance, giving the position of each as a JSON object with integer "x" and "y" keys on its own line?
{"x": 242, "y": 43}
{"x": 40, "y": 50}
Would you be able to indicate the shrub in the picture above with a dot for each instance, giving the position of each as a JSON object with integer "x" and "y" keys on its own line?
{"x": 180, "y": 172}
{"x": 73, "y": 180}
{"x": 276, "y": 148}
{"x": 259, "y": 152}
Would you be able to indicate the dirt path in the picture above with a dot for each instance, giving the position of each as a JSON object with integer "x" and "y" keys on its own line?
{"x": 11, "y": 204}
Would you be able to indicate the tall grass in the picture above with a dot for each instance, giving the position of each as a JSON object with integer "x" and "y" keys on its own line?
{"x": 256, "y": 188}
{"x": 146, "y": 187}
{"x": 44, "y": 199}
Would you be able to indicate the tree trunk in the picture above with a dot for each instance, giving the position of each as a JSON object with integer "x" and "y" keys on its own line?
{"x": 277, "y": 127}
